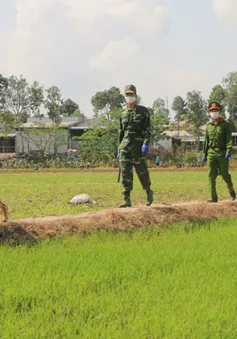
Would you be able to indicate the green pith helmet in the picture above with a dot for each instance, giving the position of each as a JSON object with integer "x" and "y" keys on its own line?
{"x": 130, "y": 89}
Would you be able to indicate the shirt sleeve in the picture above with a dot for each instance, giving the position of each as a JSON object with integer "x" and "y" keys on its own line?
{"x": 147, "y": 128}
{"x": 121, "y": 131}
{"x": 228, "y": 139}
{"x": 206, "y": 143}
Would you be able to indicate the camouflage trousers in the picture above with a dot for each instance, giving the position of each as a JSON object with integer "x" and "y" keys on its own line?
{"x": 127, "y": 161}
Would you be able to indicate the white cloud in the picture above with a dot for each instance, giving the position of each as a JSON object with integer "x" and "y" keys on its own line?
{"x": 85, "y": 46}
{"x": 116, "y": 54}
{"x": 82, "y": 46}
{"x": 226, "y": 10}
{"x": 28, "y": 14}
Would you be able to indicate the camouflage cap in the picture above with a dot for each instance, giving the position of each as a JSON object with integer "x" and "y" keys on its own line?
{"x": 214, "y": 106}
{"x": 130, "y": 89}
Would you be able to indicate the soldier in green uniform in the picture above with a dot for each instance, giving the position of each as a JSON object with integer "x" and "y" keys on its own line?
{"x": 134, "y": 136}
{"x": 217, "y": 150}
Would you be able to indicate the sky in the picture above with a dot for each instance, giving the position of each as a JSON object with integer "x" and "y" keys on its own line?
{"x": 164, "y": 47}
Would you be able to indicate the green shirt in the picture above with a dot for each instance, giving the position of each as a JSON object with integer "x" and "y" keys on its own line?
{"x": 218, "y": 137}
{"x": 134, "y": 127}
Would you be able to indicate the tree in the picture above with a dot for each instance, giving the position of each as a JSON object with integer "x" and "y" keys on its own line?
{"x": 230, "y": 87}
{"x": 36, "y": 98}
{"x": 20, "y": 99}
{"x": 7, "y": 122}
{"x": 53, "y": 103}
{"x": 3, "y": 86}
{"x": 99, "y": 145}
{"x": 106, "y": 101}
{"x": 44, "y": 138}
{"x": 159, "y": 119}
{"x": 158, "y": 107}
{"x": 68, "y": 108}
{"x": 196, "y": 113}
{"x": 15, "y": 98}
{"x": 116, "y": 99}
{"x": 115, "y": 114}
{"x": 218, "y": 94}
{"x": 100, "y": 103}
{"x": 179, "y": 107}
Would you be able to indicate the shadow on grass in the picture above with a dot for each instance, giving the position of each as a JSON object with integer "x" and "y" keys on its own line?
{"x": 197, "y": 225}
{"x": 13, "y": 234}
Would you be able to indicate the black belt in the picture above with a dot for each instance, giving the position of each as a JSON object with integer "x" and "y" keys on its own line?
{"x": 218, "y": 148}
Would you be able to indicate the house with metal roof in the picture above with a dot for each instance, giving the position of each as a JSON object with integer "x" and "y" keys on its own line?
{"x": 39, "y": 134}
{"x": 182, "y": 136}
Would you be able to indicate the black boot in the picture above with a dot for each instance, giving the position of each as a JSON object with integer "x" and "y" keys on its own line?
{"x": 233, "y": 195}
{"x": 212, "y": 200}
{"x": 149, "y": 197}
{"x": 127, "y": 200}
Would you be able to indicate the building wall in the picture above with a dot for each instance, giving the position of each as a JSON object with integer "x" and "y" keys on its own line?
{"x": 166, "y": 144}
{"x": 27, "y": 144}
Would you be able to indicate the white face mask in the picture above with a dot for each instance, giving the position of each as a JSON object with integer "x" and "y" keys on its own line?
{"x": 214, "y": 115}
{"x": 130, "y": 100}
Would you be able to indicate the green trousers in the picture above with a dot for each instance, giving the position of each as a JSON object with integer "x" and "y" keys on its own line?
{"x": 128, "y": 159}
{"x": 218, "y": 165}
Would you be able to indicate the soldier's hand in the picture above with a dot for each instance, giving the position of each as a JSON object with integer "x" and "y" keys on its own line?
{"x": 228, "y": 155}
{"x": 144, "y": 149}
{"x": 204, "y": 159}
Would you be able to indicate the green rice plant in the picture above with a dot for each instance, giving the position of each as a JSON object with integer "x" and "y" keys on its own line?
{"x": 178, "y": 282}
{"x": 42, "y": 193}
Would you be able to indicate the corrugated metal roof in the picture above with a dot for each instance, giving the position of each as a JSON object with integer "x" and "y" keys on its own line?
{"x": 80, "y": 127}
{"x": 192, "y": 139}
{"x": 63, "y": 119}
{"x": 68, "y": 122}
{"x": 177, "y": 133}
{"x": 8, "y": 135}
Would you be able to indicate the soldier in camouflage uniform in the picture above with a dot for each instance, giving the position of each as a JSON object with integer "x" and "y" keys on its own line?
{"x": 217, "y": 151}
{"x": 134, "y": 136}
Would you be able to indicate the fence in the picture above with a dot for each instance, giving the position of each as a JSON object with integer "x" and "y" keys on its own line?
{"x": 7, "y": 149}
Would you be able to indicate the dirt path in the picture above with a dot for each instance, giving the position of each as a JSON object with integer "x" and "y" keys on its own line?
{"x": 99, "y": 170}
{"x": 113, "y": 219}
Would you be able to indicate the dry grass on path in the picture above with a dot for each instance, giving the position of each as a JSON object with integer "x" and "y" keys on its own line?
{"x": 35, "y": 229}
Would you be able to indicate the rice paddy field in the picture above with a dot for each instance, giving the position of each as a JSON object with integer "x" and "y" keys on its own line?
{"x": 41, "y": 194}
{"x": 178, "y": 281}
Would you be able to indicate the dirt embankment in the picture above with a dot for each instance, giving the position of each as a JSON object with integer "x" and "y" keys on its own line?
{"x": 33, "y": 229}
{"x": 97, "y": 170}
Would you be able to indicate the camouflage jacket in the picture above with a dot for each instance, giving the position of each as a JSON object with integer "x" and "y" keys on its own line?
{"x": 134, "y": 127}
{"x": 218, "y": 137}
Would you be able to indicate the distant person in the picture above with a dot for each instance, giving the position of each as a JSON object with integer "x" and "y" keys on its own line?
{"x": 88, "y": 165}
{"x": 134, "y": 137}
{"x": 217, "y": 150}
{"x": 157, "y": 161}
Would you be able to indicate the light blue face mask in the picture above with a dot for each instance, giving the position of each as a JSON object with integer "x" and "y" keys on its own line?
{"x": 130, "y": 100}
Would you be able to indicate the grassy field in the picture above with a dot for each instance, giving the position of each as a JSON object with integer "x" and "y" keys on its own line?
{"x": 41, "y": 194}
{"x": 178, "y": 282}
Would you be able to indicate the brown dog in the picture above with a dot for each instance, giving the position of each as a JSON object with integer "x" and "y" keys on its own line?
{"x": 3, "y": 207}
